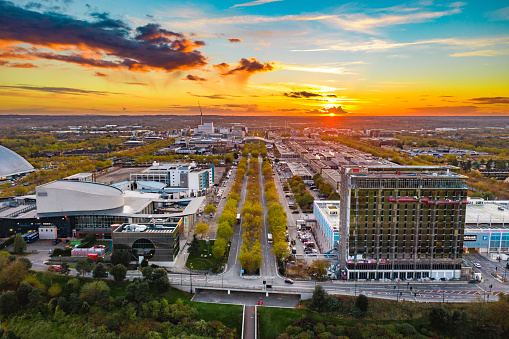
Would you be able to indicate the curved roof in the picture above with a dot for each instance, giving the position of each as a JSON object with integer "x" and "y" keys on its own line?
{"x": 12, "y": 164}
{"x": 84, "y": 187}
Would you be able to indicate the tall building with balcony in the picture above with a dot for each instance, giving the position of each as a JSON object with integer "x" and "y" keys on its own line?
{"x": 402, "y": 222}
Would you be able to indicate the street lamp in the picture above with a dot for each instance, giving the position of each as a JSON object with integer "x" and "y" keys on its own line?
{"x": 190, "y": 279}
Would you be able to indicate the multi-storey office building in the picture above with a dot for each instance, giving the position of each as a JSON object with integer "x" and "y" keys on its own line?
{"x": 196, "y": 179}
{"x": 402, "y": 222}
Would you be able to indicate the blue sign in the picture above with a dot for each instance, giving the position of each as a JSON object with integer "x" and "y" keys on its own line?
{"x": 484, "y": 237}
{"x": 242, "y": 272}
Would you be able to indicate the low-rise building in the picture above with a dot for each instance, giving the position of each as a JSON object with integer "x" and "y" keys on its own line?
{"x": 157, "y": 241}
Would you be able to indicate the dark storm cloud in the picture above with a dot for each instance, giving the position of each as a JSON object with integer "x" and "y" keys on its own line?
{"x": 250, "y": 66}
{"x": 335, "y": 109}
{"x": 17, "y": 65}
{"x": 491, "y": 100}
{"x": 194, "y": 78}
{"x": 166, "y": 51}
{"x": 33, "y": 5}
{"x": 59, "y": 90}
{"x": 305, "y": 94}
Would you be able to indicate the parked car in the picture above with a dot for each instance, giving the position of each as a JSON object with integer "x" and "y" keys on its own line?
{"x": 56, "y": 241}
{"x": 288, "y": 281}
{"x": 55, "y": 268}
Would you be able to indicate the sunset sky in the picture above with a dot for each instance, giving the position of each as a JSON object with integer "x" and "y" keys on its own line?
{"x": 264, "y": 57}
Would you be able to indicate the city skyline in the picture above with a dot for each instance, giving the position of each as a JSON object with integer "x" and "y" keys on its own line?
{"x": 264, "y": 57}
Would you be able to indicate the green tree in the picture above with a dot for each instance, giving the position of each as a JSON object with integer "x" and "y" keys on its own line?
{"x": 26, "y": 262}
{"x": 160, "y": 280}
{"x": 19, "y": 244}
{"x": 23, "y": 292}
{"x": 194, "y": 247}
{"x": 439, "y": 318}
{"x": 118, "y": 272}
{"x": 122, "y": 257}
{"x": 334, "y": 196}
{"x": 318, "y": 301}
{"x": 8, "y": 303}
{"x": 100, "y": 271}
{"x": 361, "y": 303}
{"x": 91, "y": 292}
{"x": 83, "y": 266}
{"x": 65, "y": 269}
{"x": 138, "y": 291}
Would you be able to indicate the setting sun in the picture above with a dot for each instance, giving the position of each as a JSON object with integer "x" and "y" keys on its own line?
{"x": 332, "y": 114}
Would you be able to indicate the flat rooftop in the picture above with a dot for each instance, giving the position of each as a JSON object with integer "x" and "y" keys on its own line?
{"x": 487, "y": 213}
{"x": 326, "y": 207}
{"x": 147, "y": 228}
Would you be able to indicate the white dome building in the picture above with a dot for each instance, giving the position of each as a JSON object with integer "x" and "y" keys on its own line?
{"x": 66, "y": 196}
{"x": 11, "y": 164}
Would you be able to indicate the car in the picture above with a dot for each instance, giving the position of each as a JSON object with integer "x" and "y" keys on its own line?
{"x": 56, "y": 241}
{"x": 55, "y": 268}
{"x": 476, "y": 264}
{"x": 288, "y": 281}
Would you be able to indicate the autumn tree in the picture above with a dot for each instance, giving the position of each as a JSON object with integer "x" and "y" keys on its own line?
{"x": 318, "y": 268}
{"x": 201, "y": 229}
{"x": 210, "y": 209}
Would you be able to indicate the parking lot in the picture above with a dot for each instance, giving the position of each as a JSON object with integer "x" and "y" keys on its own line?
{"x": 39, "y": 252}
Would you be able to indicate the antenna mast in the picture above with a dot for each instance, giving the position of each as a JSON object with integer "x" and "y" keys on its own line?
{"x": 201, "y": 114}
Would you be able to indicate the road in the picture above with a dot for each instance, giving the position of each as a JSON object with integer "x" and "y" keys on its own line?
{"x": 220, "y": 206}
{"x": 268, "y": 267}
{"x": 233, "y": 269}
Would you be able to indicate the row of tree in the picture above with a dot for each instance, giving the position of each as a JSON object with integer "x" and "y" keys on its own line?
{"x": 250, "y": 255}
{"x": 228, "y": 218}
{"x": 276, "y": 216}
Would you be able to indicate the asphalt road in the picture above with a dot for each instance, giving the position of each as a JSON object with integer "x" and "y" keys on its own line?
{"x": 268, "y": 266}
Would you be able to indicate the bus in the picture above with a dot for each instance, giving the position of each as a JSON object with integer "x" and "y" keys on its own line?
{"x": 238, "y": 218}
{"x": 30, "y": 237}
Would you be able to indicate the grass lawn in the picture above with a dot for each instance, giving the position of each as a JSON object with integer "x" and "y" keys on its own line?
{"x": 229, "y": 315}
{"x": 202, "y": 261}
{"x": 273, "y": 321}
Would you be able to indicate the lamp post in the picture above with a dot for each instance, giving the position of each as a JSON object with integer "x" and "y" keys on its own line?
{"x": 190, "y": 279}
